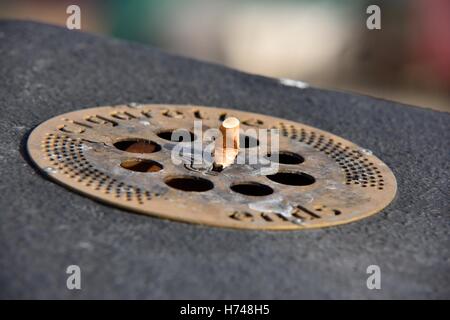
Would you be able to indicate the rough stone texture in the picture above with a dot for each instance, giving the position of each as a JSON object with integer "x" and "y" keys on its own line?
{"x": 46, "y": 71}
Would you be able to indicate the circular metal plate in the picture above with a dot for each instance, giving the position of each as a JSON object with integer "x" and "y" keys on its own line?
{"x": 122, "y": 155}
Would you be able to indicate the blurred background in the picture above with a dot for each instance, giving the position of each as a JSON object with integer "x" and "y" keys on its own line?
{"x": 322, "y": 42}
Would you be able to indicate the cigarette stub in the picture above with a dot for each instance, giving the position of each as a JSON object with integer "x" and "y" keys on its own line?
{"x": 227, "y": 146}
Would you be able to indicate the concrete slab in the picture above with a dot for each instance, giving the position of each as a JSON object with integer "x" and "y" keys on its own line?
{"x": 47, "y": 70}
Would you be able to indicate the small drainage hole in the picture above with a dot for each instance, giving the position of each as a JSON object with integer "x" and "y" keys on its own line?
{"x": 189, "y": 183}
{"x": 292, "y": 178}
{"x": 141, "y": 165}
{"x": 180, "y": 134}
{"x": 252, "y": 189}
{"x": 137, "y": 146}
{"x": 285, "y": 157}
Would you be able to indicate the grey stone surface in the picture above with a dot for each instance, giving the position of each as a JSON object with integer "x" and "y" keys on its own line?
{"x": 46, "y": 71}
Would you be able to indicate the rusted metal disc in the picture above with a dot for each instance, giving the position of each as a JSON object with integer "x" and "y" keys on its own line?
{"x": 122, "y": 155}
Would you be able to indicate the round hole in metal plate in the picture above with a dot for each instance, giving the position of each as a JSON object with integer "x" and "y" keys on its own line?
{"x": 252, "y": 189}
{"x": 141, "y": 165}
{"x": 189, "y": 183}
{"x": 286, "y": 157}
{"x": 292, "y": 178}
{"x": 136, "y": 145}
{"x": 172, "y": 135}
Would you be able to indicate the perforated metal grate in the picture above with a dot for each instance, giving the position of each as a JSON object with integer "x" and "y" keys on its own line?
{"x": 122, "y": 155}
